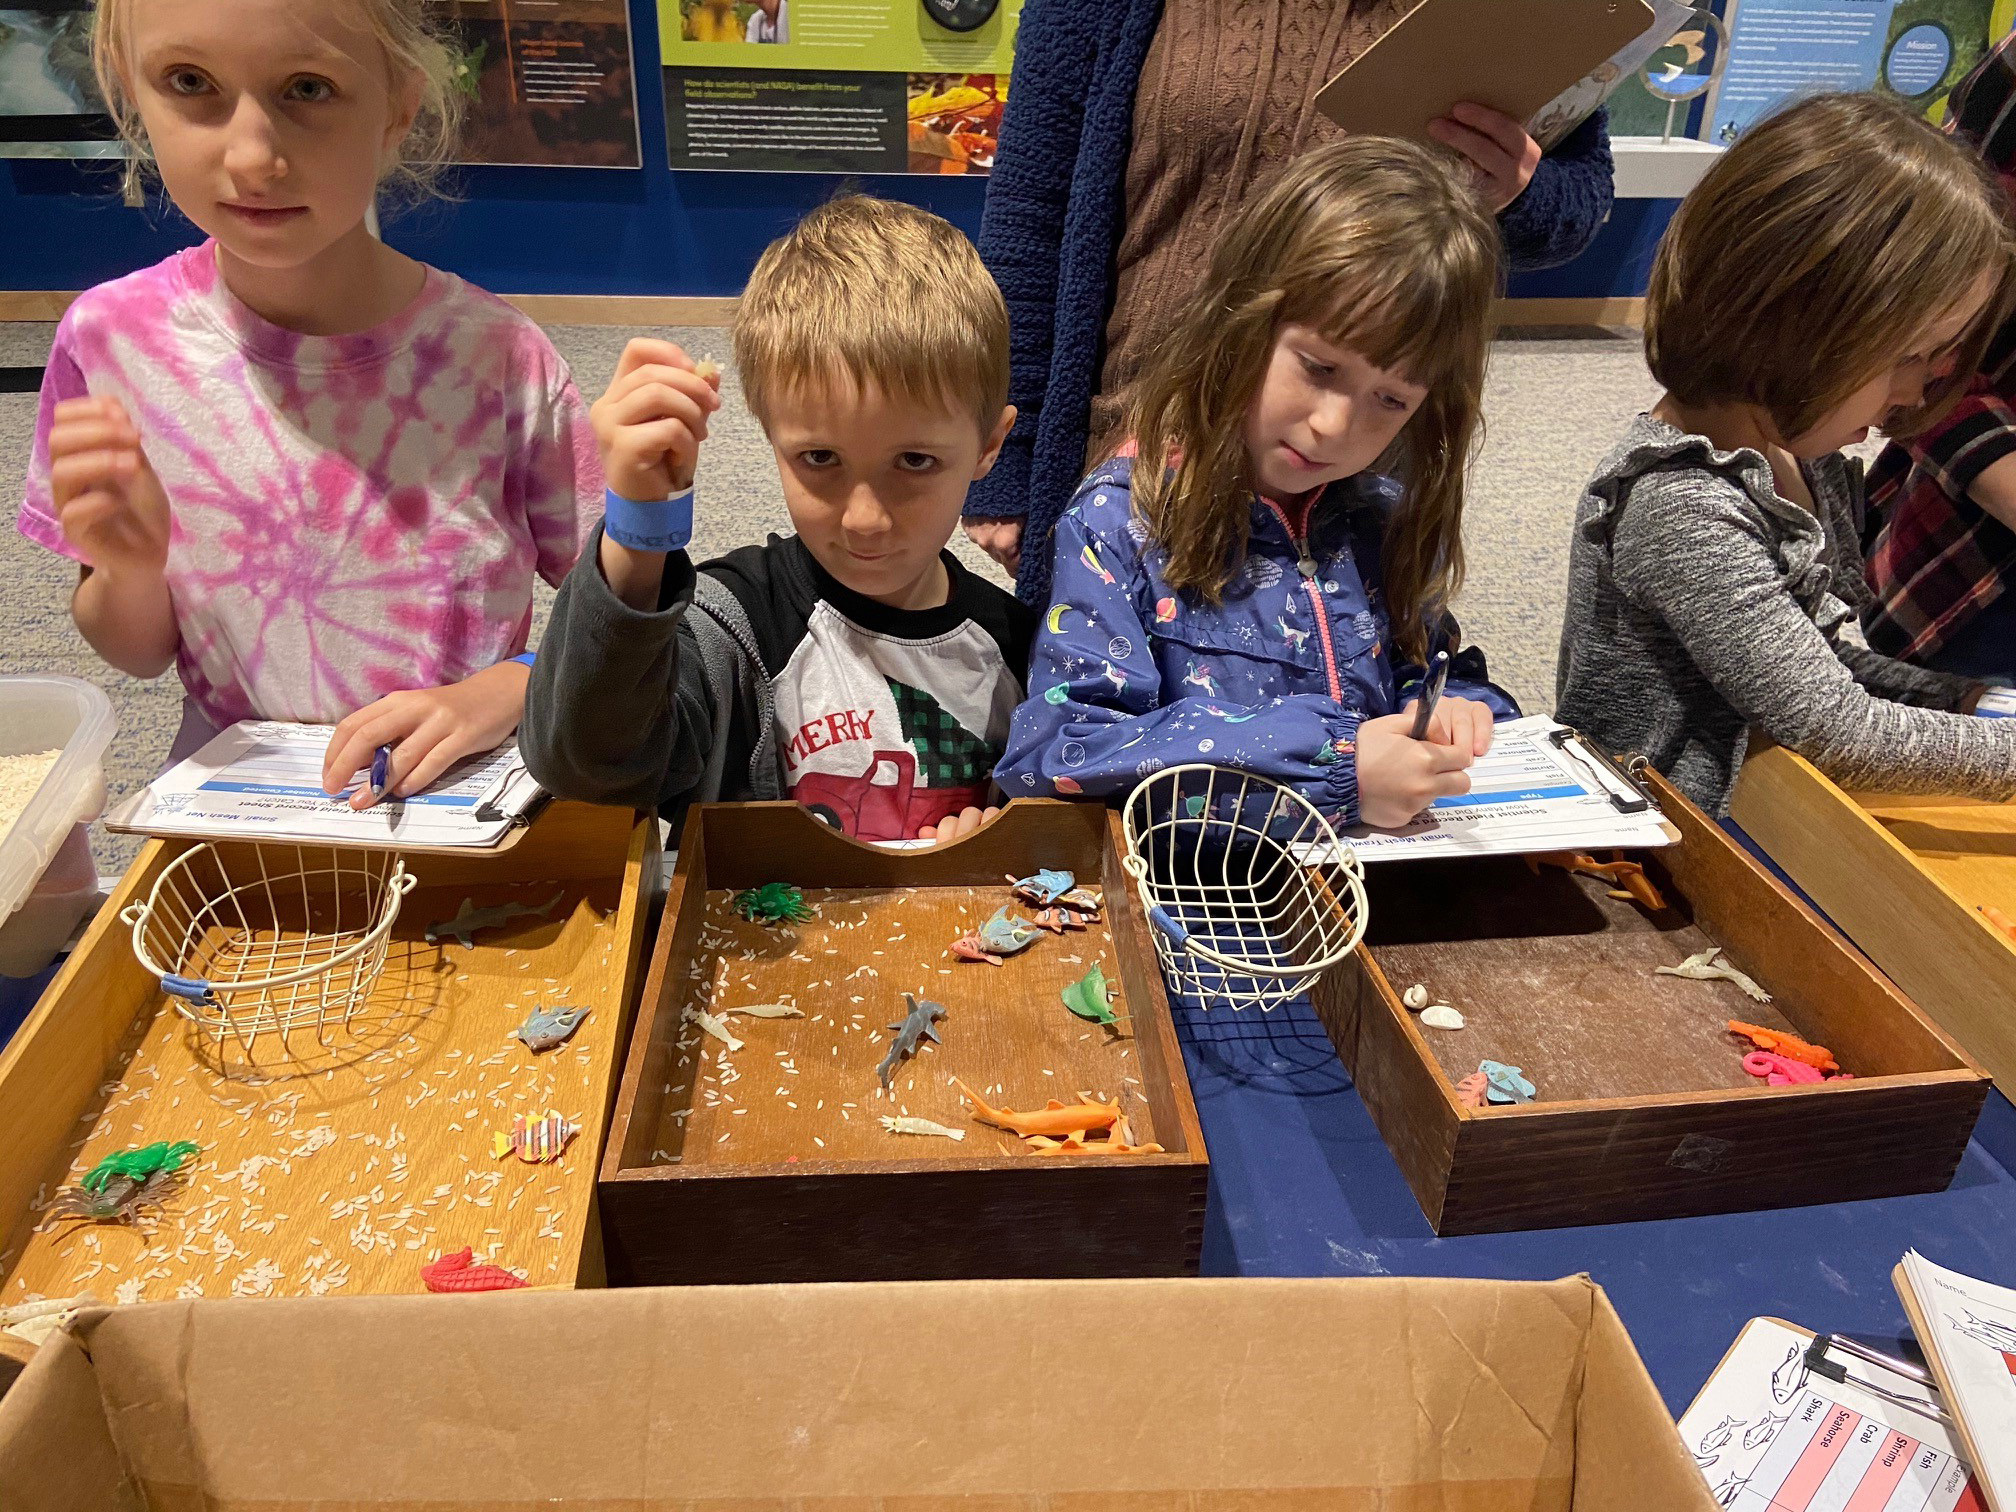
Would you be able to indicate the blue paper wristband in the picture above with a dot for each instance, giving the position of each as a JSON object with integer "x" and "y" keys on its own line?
{"x": 660, "y": 525}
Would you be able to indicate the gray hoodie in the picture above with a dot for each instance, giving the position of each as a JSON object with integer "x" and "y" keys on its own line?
{"x": 1700, "y": 604}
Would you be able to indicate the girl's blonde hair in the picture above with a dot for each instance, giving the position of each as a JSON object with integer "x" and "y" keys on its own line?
{"x": 1812, "y": 254}
{"x": 413, "y": 44}
{"x": 1382, "y": 247}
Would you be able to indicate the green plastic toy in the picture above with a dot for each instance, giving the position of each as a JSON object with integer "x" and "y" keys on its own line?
{"x": 139, "y": 1164}
{"x": 773, "y": 903}
{"x": 1091, "y": 998}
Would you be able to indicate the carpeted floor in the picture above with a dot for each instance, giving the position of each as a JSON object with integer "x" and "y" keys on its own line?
{"x": 1554, "y": 406}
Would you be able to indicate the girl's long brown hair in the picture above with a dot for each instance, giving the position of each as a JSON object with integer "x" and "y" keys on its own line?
{"x": 1380, "y": 246}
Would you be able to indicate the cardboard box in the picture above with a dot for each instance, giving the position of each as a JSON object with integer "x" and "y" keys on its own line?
{"x": 1906, "y": 878}
{"x": 790, "y": 1176}
{"x": 1069, "y": 1396}
{"x": 1645, "y": 1110}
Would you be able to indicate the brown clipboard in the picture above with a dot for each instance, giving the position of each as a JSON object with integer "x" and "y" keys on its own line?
{"x": 1956, "y": 1415}
{"x": 1513, "y": 55}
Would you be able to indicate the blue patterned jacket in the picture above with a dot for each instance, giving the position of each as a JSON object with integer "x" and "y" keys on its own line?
{"x": 1128, "y": 676}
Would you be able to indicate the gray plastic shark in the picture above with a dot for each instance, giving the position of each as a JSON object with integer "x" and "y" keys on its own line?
{"x": 919, "y": 1025}
{"x": 468, "y": 919}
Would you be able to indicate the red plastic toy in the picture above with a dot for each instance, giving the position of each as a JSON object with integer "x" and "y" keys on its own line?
{"x": 458, "y": 1273}
{"x": 1779, "y": 1070}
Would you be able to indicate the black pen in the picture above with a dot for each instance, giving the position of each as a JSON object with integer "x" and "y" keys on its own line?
{"x": 1431, "y": 693}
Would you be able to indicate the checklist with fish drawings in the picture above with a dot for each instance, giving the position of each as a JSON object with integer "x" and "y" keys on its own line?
{"x": 1771, "y": 1437}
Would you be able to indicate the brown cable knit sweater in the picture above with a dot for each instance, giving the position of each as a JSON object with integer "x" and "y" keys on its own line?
{"x": 1227, "y": 96}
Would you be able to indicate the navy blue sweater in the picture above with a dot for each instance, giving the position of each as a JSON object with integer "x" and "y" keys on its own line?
{"x": 1056, "y": 203}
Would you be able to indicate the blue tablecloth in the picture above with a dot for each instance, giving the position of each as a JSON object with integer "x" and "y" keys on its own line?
{"x": 1302, "y": 1185}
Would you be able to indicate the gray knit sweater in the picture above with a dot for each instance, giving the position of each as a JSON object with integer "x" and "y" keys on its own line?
{"x": 1700, "y": 604}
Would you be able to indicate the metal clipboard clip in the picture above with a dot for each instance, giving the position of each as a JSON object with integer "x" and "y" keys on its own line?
{"x": 1817, "y": 1363}
{"x": 1618, "y": 781}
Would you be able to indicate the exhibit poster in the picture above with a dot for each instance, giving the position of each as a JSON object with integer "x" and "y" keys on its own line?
{"x": 1913, "y": 51}
{"x": 49, "y": 104}
{"x": 836, "y": 86}
{"x": 550, "y": 83}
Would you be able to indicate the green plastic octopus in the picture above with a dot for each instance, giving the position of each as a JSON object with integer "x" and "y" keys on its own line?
{"x": 137, "y": 1165}
{"x": 773, "y": 903}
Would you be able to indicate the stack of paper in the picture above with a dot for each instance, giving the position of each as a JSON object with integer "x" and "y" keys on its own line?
{"x": 1967, "y": 1329}
{"x": 1527, "y": 794}
{"x": 262, "y": 780}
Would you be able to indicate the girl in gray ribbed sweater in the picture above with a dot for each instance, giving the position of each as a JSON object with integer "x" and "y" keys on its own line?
{"x": 1840, "y": 267}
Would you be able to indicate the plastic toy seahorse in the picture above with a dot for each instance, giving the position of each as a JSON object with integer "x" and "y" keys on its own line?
{"x": 1294, "y": 637}
{"x": 1199, "y": 676}
{"x": 1091, "y": 559}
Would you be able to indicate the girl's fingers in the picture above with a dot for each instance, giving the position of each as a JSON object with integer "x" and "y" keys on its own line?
{"x": 94, "y": 433}
{"x": 1494, "y": 161}
{"x": 450, "y": 745}
{"x": 1509, "y": 134}
{"x": 351, "y": 750}
{"x": 72, "y": 475}
{"x": 1449, "y": 785}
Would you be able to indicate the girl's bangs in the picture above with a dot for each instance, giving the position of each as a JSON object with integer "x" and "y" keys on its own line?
{"x": 1403, "y": 319}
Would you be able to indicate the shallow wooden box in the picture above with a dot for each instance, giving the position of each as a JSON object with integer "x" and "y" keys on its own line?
{"x": 1905, "y": 878}
{"x": 1644, "y": 1108}
{"x": 786, "y": 1174}
{"x": 341, "y": 1171}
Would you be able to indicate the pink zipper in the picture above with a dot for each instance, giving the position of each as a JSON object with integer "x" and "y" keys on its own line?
{"x": 1306, "y": 565}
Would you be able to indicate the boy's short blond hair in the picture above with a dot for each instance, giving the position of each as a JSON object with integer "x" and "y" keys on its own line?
{"x": 869, "y": 292}
{"x": 1811, "y": 254}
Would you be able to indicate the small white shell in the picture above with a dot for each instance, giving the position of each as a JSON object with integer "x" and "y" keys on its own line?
{"x": 1415, "y": 997}
{"x": 1442, "y": 1016}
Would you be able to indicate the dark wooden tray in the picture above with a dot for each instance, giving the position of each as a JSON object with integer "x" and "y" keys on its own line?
{"x": 785, "y": 1173}
{"x": 1644, "y": 1109}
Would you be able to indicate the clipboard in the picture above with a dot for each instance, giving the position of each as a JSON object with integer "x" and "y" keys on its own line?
{"x": 1512, "y": 55}
{"x": 1956, "y": 1421}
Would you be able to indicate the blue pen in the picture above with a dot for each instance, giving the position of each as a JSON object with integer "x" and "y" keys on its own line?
{"x": 1431, "y": 694}
{"x": 381, "y": 771}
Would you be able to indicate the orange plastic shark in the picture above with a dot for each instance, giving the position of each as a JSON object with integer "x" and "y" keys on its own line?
{"x": 1055, "y": 1120}
{"x": 1119, "y": 1141}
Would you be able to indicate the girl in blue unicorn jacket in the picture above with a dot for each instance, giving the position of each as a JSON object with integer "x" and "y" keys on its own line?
{"x": 1246, "y": 585}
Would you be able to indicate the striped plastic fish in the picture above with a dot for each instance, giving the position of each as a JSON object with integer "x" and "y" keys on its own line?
{"x": 535, "y": 1138}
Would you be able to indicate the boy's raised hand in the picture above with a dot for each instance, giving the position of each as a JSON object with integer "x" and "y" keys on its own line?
{"x": 652, "y": 420}
{"x": 108, "y": 501}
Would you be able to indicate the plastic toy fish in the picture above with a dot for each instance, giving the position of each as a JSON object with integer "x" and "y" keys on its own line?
{"x": 1781, "y": 1043}
{"x": 457, "y": 1272}
{"x": 1472, "y": 1089}
{"x": 1058, "y": 919}
{"x": 1005, "y": 934}
{"x": 1706, "y": 967}
{"x": 907, "y": 1125}
{"x": 766, "y": 1010}
{"x": 969, "y": 948}
{"x": 1505, "y": 1084}
{"x": 536, "y": 1138}
{"x": 1045, "y": 888}
{"x": 1081, "y": 900}
{"x": 1054, "y": 1119}
{"x": 918, "y": 1025}
{"x": 1780, "y": 1070}
{"x": 1091, "y": 998}
{"x": 773, "y": 903}
{"x": 1119, "y": 1142}
{"x": 548, "y": 1028}
{"x": 469, "y": 918}
{"x": 713, "y": 1026}
{"x": 1627, "y": 876}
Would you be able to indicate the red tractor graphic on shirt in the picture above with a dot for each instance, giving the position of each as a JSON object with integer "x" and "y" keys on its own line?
{"x": 885, "y": 802}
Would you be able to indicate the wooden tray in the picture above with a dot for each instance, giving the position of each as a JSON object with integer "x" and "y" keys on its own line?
{"x": 1906, "y": 879}
{"x": 1644, "y": 1109}
{"x": 342, "y": 1172}
{"x": 784, "y": 1173}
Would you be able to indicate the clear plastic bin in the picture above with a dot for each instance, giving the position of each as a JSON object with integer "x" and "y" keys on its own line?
{"x": 47, "y": 881}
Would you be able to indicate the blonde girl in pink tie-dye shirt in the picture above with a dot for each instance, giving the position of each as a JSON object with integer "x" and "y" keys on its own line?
{"x": 316, "y": 476}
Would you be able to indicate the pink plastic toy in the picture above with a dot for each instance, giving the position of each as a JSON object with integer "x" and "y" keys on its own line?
{"x": 1780, "y": 1070}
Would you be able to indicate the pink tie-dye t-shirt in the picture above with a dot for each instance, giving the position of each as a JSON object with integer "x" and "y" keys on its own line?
{"x": 352, "y": 515}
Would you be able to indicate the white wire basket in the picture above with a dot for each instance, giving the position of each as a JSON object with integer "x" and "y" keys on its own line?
{"x": 260, "y": 941}
{"x": 1251, "y": 894}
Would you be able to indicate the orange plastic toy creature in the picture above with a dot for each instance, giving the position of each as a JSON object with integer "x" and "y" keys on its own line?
{"x": 1627, "y": 876}
{"x": 1789, "y": 1045}
{"x": 1055, "y": 1119}
{"x": 2000, "y": 920}
{"x": 1120, "y": 1141}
